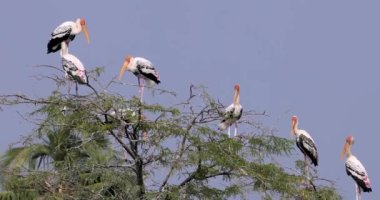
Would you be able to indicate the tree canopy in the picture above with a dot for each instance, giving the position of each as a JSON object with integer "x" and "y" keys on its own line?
{"x": 113, "y": 146}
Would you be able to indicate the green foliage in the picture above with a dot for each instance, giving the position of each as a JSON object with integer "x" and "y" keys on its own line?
{"x": 86, "y": 147}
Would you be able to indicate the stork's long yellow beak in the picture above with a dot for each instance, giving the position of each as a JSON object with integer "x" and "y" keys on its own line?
{"x": 344, "y": 151}
{"x": 292, "y": 132}
{"x": 85, "y": 31}
{"x": 122, "y": 70}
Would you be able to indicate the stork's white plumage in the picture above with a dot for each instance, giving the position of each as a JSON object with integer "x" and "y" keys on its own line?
{"x": 143, "y": 69}
{"x": 355, "y": 169}
{"x": 232, "y": 113}
{"x": 306, "y": 144}
{"x": 66, "y": 32}
{"x": 74, "y": 68}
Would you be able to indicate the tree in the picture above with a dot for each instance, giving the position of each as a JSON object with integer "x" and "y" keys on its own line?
{"x": 113, "y": 147}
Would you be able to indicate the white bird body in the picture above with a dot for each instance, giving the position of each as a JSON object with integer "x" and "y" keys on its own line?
{"x": 232, "y": 113}
{"x": 144, "y": 69}
{"x": 305, "y": 133}
{"x": 66, "y": 32}
{"x": 122, "y": 113}
{"x": 74, "y": 68}
{"x": 355, "y": 169}
{"x": 305, "y": 142}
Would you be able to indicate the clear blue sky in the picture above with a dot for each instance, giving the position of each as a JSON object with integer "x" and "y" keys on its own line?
{"x": 316, "y": 59}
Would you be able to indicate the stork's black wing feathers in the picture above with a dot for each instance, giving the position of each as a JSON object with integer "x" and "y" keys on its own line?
{"x": 57, "y": 37}
{"x": 307, "y": 146}
{"x": 354, "y": 173}
{"x": 149, "y": 72}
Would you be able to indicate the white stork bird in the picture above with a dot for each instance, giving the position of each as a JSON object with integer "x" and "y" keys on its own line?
{"x": 143, "y": 69}
{"x": 232, "y": 113}
{"x": 305, "y": 143}
{"x": 74, "y": 69}
{"x": 66, "y": 32}
{"x": 355, "y": 169}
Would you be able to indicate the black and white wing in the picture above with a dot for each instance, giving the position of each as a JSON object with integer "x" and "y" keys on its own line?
{"x": 68, "y": 66}
{"x": 228, "y": 117}
{"x": 60, "y": 34}
{"x": 238, "y": 112}
{"x": 306, "y": 144}
{"x": 74, "y": 69}
{"x": 356, "y": 170}
{"x": 147, "y": 70}
{"x": 229, "y": 112}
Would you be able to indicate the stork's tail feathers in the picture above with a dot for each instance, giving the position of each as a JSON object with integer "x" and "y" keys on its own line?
{"x": 222, "y": 126}
{"x": 367, "y": 185}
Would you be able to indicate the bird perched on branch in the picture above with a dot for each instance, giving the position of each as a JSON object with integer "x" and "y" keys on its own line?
{"x": 305, "y": 143}
{"x": 143, "y": 69}
{"x": 74, "y": 69}
{"x": 232, "y": 113}
{"x": 355, "y": 169}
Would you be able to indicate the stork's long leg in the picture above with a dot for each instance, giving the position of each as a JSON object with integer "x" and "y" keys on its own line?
{"x": 229, "y": 131}
{"x": 69, "y": 86}
{"x": 142, "y": 90}
{"x": 236, "y": 127}
{"x": 306, "y": 167}
{"x": 139, "y": 83}
{"x": 357, "y": 191}
{"x": 76, "y": 88}
{"x": 140, "y": 87}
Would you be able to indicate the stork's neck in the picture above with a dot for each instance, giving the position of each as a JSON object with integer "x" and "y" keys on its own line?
{"x": 295, "y": 127}
{"x": 64, "y": 49}
{"x": 236, "y": 98}
{"x": 348, "y": 152}
{"x": 132, "y": 65}
{"x": 77, "y": 28}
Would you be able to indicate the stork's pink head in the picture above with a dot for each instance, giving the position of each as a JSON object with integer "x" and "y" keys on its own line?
{"x": 237, "y": 87}
{"x": 347, "y": 145}
{"x": 128, "y": 59}
{"x": 82, "y": 23}
{"x": 350, "y": 139}
{"x": 294, "y": 119}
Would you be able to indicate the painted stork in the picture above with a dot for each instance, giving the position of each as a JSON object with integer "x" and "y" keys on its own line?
{"x": 66, "y": 32}
{"x": 232, "y": 113}
{"x": 143, "y": 69}
{"x": 305, "y": 143}
{"x": 355, "y": 169}
{"x": 74, "y": 69}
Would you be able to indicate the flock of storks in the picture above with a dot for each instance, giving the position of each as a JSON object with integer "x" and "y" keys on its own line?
{"x": 146, "y": 72}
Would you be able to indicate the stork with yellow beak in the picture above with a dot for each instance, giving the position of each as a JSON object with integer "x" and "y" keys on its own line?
{"x": 66, "y": 32}
{"x": 232, "y": 113}
{"x": 355, "y": 169}
{"x": 305, "y": 143}
{"x": 143, "y": 69}
{"x": 74, "y": 69}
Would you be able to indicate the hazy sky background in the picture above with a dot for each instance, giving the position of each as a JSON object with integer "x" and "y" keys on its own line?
{"x": 316, "y": 59}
